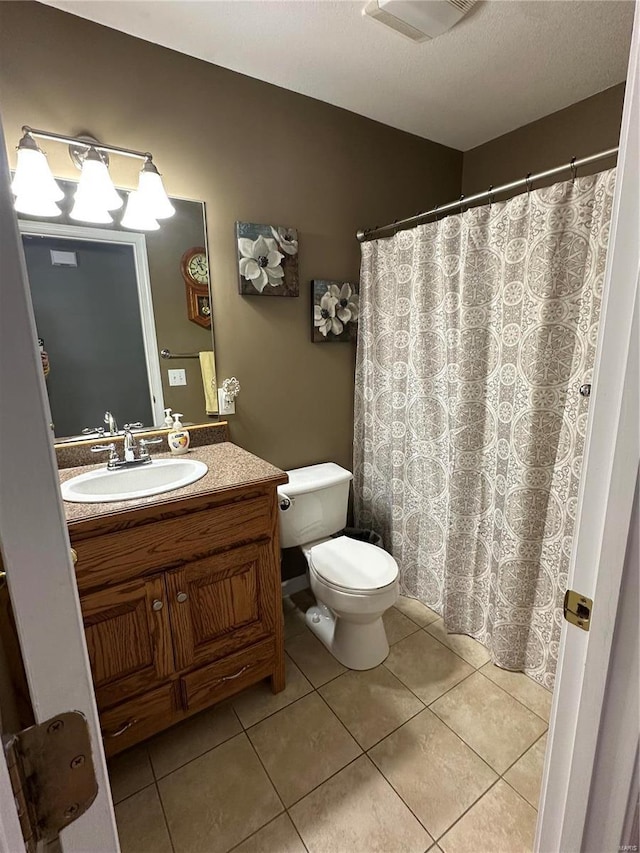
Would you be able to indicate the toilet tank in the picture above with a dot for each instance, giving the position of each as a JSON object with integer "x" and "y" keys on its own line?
{"x": 318, "y": 496}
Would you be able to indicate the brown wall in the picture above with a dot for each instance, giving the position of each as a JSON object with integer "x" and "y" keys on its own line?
{"x": 584, "y": 128}
{"x": 253, "y": 152}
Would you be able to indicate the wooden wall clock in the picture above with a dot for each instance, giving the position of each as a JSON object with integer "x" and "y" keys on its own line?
{"x": 194, "y": 267}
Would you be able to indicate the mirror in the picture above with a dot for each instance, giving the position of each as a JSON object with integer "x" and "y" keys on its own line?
{"x": 107, "y": 300}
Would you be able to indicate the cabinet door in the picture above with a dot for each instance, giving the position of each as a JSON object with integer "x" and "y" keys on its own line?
{"x": 128, "y": 638}
{"x": 221, "y": 603}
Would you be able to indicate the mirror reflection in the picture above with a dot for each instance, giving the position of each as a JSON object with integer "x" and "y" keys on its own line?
{"x": 106, "y": 301}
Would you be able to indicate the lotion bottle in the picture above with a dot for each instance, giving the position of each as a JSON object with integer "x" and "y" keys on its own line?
{"x": 178, "y": 438}
{"x": 168, "y": 420}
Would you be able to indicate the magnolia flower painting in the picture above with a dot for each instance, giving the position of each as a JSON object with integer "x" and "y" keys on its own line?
{"x": 334, "y": 306}
{"x": 267, "y": 260}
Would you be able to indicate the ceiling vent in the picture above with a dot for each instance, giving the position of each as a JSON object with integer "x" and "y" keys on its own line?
{"x": 419, "y": 20}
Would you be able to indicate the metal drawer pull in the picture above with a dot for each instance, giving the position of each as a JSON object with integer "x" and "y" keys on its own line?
{"x": 182, "y": 596}
{"x": 157, "y": 604}
{"x": 235, "y": 675}
{"x": 123, "y": 728}
{"x": 74, "y": 556}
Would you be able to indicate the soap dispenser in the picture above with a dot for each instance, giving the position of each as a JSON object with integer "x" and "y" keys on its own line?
{"x": 178, "y": 438}
{"x": 168, "y": 420}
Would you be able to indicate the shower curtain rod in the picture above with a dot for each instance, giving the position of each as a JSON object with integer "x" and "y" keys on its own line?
{"x": 400, "y": 225}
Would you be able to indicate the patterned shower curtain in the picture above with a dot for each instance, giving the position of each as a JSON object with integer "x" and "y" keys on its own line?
{"x": 476, "y": 332}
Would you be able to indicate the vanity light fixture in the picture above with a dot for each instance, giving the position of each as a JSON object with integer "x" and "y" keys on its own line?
{"x": 37, "y": 191}
{"x": 33, "y": 184}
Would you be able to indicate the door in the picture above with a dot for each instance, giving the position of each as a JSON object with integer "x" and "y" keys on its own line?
{"x": 128, "y": 638}
{"x": 35, "y": 545}
{"x": 610, "y": 468}
{"x": 218, "y": 603}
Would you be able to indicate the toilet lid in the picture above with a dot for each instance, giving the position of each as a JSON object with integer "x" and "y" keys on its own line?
{"x": 352, "y": 564}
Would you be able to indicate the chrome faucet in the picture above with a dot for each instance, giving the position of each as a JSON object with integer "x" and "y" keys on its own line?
{"x": 130, "y": 446}
{"x": 111, "y": 423}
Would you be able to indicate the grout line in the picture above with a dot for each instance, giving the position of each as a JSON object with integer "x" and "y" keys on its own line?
{"x": 128, "y": 797}
{"x": 525, "y": 752}
{"x": 195, "y": 757}
{"x": 166, "y": 820}
{"x": 458, "y": 819}
{"x": 546, "y": 722}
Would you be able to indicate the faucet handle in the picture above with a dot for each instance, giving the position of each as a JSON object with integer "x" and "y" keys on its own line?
{"x": 143, "y": 443}
{"x": 136, "y": 425}
{"x": 92, "y": 430}
{"x": 102, "y": 448}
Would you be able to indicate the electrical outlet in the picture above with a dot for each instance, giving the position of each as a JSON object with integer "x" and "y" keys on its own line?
{"x": 177, "y": 377}
{"x": 224, "y": 406}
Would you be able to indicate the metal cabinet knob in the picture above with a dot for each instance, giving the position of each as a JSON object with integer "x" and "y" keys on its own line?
{"x": 74, "y": 556}
{"x": 157, "y": 604}
{"x": 182, "y": 596}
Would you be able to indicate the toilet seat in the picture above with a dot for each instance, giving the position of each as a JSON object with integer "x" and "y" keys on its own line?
{"x": 349, "y": 565}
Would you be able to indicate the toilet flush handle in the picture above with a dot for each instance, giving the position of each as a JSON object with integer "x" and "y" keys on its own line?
{"x": 285, "y": 501}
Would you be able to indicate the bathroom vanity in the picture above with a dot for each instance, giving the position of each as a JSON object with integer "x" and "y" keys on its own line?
{"x": 180, "y": 594}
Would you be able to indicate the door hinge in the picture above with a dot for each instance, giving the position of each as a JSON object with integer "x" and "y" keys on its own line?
{"x": 577, "y": 609}
{"x": 52, "y": 775}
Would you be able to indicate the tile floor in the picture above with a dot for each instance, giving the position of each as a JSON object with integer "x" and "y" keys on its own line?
{"x": 436, "y": 749}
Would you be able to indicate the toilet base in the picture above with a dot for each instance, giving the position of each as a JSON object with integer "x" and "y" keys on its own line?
{"x": 356, "y": 645}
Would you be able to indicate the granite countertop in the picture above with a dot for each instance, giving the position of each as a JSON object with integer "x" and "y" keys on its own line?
{"x": 229, "y": 466}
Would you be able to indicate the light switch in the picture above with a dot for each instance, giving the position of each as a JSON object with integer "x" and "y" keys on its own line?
{"x": 177, "y": 377}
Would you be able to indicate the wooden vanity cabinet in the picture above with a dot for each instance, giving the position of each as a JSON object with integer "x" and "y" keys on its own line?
{"x": 182, "y": 607}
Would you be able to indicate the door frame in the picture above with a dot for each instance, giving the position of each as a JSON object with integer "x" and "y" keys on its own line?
{"x": 612, "y": 453}
{"x": 35, "y": 543}
{"x": 143, "y": 279}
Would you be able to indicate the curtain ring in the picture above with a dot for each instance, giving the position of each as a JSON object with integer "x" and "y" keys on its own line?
{"x": 528, "y": 182}
{"x": 435, "y": 212}
{"x": 490, "y": 194}
{"x": 574, "y": 170}
{"x": 462, "y": 209}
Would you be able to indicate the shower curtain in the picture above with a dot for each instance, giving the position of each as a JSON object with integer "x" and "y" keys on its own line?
{"x": 475, "y": 335}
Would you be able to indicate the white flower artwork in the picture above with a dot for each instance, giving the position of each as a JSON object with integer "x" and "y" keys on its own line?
{"x": 267, "y": 260}
{"x": 335, "y": 308}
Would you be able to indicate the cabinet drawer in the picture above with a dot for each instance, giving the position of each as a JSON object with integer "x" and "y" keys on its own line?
{"x": 138, "y": 718}
{"x": 163, "y": 544}
{"x": 227, "y": 676}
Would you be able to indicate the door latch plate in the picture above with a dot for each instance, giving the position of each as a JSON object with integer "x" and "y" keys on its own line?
{"x": 577, "y": 609}
{"x": 52, "y": 775}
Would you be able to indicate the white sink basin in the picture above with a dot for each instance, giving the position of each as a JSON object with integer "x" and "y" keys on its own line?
{"x": 124, "y": 484}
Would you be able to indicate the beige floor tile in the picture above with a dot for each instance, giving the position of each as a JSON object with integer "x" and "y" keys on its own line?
{"x": 397, "y": 625}
{"x": 301, "y": 746}
{"x": 416, "y": 610}
{"x": 500, "y": 822}
{"x": 192, "y": 737}
{"x": 435, "y": 849}
{"x": 129, "y": 772}
{"x": 491, "y": 721}
{"x": 317, "y": 664}
{"x": 257, "y": 702}
{"x": 357, "y": 811}
{"x": 469, "y": 649}
{"x": 426, "y": 666}
{"x": 526, "y": 774}
{"x": 371, "y": 704}
{"x": 141, "y": 824}
{"x": 525, "y": 689}
{"x": 279, "y": 836}
{"x": 435, "y": 773}
{"x": 218, "y": 799}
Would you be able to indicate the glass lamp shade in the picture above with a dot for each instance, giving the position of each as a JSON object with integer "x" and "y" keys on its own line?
{"x": 96, "y": 188}
{"x": 88, "y": 210}
{"x": 137, "y": 215}
{"x": 153, "y": 194}
{"x": 33, "y": 177}
{"x": 35, "y": 205}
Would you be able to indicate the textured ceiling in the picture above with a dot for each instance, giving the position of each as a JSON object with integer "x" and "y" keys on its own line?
{"x": 507, "y": 63}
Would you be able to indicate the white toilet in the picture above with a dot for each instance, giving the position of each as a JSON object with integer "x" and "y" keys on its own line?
{"x": 354, "y": 582}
